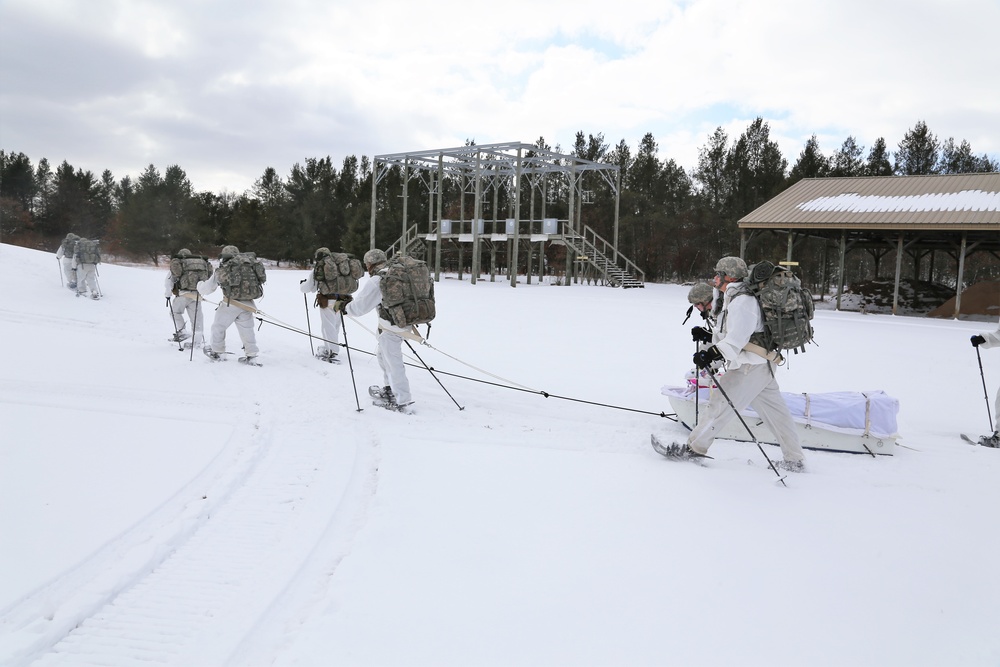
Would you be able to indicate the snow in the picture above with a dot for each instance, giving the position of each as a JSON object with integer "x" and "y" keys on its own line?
{"x": 156, "y": 510}
{"x": 852, "y": 202}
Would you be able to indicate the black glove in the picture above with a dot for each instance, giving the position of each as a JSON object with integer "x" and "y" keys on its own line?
{"x": 977, "y": 340}
{"x": 701, "y": 335}
{"x": 705, "y": 358}
{"x": 340, "y": 305}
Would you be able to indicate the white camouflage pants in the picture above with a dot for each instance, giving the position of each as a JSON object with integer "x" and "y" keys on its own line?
{"x": 69, "y": 271}
{"x": 390, "y": 359}
{"x": 330, "y": 327}
{"x": 86, "y": 278}
{"x": 753, "y": 385}
{"x": 183, "y": 304}
{"x": 227, "y": 314}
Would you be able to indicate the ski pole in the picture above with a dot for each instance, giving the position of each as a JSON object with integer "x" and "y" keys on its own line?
{"x": 697, "y": 371}
{"x": 429, "y": 370}
{"x": 986, "y": 394}
{"x": 697, "y": 386}
{"x": 343, "y": 326}
{"x": 59, "y": 266}
{"x": 194, "y": 324}
{"x": 173, "y": 323}
{"x": 305, "y": 302}
{"x": 745, "y": 425}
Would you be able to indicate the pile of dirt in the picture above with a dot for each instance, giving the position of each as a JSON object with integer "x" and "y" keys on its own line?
{"x": 979, "y": 301}
{"x": 917, "y": 297}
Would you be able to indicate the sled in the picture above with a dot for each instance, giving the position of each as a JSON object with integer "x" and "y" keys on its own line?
{"x": 843, "y": 421}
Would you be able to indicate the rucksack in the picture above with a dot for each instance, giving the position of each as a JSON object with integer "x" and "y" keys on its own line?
{"x": 242, "y": 277}
{"x": 338, "y": 273}
{"x": 189, "y": 271}
{"x": 88, "y": 251}
{"x": 787, "y": 307}
{"x": 67, "y": 248}
{"x": 407, "y": 292}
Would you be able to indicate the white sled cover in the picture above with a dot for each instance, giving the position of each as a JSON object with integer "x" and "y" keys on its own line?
{"x": 841, "y": 415}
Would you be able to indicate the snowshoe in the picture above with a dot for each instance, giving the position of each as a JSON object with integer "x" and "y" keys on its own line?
{"x": 211, "y": 354}
{"x": 677, "y": 452}
{"x": 790, "y": 466}
{"x": 391, "y": 405}
{"x": 990, "y": 440}
{"x": 382, "y": 393}
{"x": 250, "y": 361}
{"x": 180, "y": 335}
{"x": 328, "y": 357}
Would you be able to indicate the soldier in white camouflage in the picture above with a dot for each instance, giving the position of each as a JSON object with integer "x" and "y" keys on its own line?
{"x": 180, "y": 286}
{"x": 86, "y": 257}
{"x": 329, "y": 319}
{"x": 749, "y": 378}
{"x": 65, "y": 257}
{"x": 395, "y": 392}
{"x": 230, "y": 311}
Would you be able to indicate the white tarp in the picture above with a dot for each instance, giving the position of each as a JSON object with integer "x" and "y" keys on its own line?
{"x": 862, "y": 413}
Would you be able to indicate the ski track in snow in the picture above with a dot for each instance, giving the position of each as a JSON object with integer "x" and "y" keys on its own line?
{"x": 263, "y": 493}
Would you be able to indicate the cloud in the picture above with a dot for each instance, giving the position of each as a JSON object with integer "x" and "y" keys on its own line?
{"x": 225, "y": 89}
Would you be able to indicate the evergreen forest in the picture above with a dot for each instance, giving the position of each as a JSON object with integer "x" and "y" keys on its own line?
{"x": 674, "y": 221}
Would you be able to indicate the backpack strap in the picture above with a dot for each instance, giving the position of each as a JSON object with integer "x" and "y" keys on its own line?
{"x": 771, "y": 355}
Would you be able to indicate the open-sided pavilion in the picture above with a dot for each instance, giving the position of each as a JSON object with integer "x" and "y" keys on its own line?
{"x": 955, "y": 214}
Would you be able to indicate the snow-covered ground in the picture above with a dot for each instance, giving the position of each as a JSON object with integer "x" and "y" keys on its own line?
{"x": 156, "y": 510}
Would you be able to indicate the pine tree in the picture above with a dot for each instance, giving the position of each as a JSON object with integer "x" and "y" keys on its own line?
{"x": 878, "y": 163}
{"x": 712, "y": 173}
{"x": 17, "y": 192}
{"x": 847, "y": 161}
{"x": 918, "y": 152}
{"x": 757, "y": 169}
{"x": 811, "y": 164}
{"x": 957, "y": 159}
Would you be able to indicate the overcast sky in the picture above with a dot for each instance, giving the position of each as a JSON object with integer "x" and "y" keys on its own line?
{"x": 227, "y": 88}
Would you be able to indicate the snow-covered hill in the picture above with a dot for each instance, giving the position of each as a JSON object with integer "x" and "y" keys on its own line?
{"x": 156, "y": 510}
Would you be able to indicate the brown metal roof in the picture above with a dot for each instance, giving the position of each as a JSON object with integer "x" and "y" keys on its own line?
{"x": 953, "y": 202}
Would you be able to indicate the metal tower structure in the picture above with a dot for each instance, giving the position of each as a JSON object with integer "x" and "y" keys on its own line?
{"x": 477, "y": 169}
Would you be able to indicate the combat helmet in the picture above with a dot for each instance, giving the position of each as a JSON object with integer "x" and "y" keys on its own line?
{"x": 734, "y": 267}
{"x": 374, "y": 258}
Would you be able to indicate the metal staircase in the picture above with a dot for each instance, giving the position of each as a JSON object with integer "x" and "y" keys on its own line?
{"x": 414, "y": 244}
{"x": 598, "y": 254}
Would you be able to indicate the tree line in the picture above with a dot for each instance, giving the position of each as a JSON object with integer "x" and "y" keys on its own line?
{"x": 673, "y": 222}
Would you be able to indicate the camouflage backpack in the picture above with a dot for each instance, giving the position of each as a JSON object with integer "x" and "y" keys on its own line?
{"x": 242, "y": 277}
{"x": 407, "y": 292}
{"x": 189, "y": 270}
{"x": 338, "y": 273}
{"x": 67, "y": 245}
{"x": 88, "y": 251}
{"x": 786, "y": 305}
